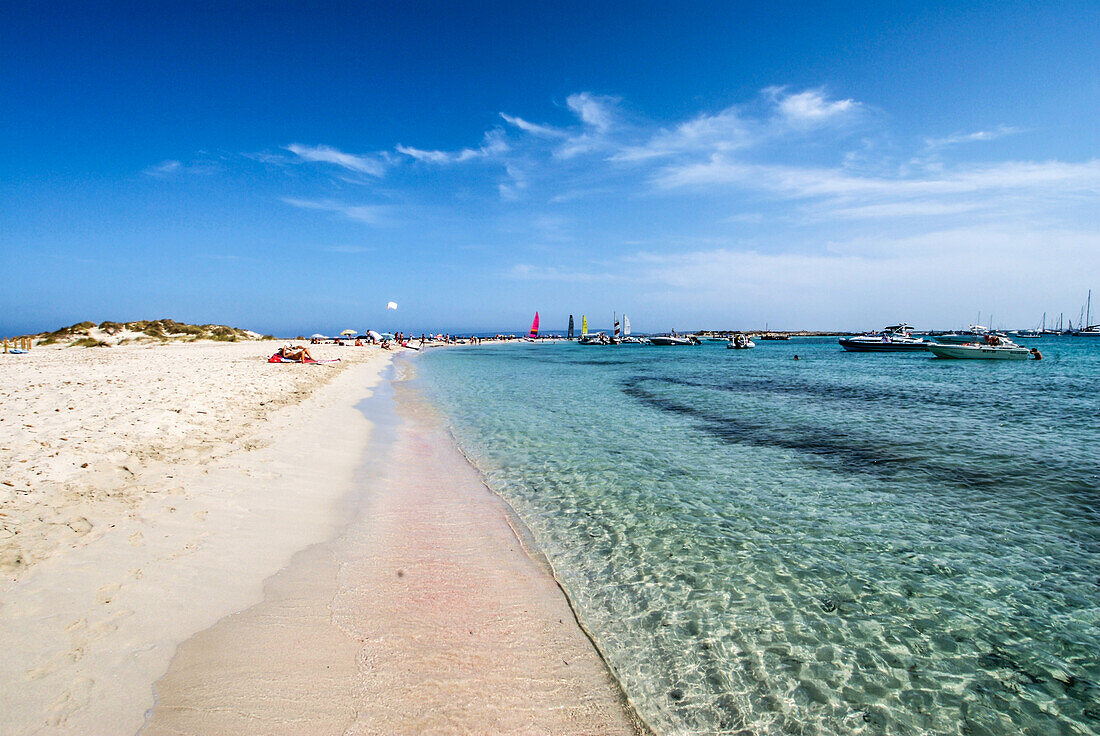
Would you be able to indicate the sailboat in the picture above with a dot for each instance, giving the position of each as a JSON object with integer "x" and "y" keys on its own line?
{"x": 1089, "y": 330}
{"x": 534, "y": 328}
{"x": 627, "y": 339}
{"x": 569, "y": 335}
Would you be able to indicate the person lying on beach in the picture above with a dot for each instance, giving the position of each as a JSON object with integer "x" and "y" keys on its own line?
{"x": 294, "y": 352}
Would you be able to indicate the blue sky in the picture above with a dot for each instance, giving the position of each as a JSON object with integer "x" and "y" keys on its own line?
{"x": 290, "y": 168}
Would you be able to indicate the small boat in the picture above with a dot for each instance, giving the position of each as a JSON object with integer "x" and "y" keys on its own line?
{"x": 740, "y": 342}
{"x": 892, "y": 339}
{"x": 996, "y": 348}
{"x": 596, "y": 339}
{"x": 673, "y": 340}
{"x": 973, "y": 333}
{"x": 534, "y": 333}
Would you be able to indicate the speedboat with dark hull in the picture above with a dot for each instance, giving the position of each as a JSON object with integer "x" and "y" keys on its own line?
{"x": 1006, "y": 350}
{"x": 892, "y": 339}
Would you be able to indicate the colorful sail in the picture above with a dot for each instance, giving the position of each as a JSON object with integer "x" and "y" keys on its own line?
{"x": 626, "y": 325}
{"x": 534, "y": 327}
{"x": 569, "y": 335}
{"x": 616, "y": 320}
{"x": 584, "y": 325}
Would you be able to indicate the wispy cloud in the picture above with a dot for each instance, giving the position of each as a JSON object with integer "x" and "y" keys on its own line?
{"x": 802, "y": 182}
{"x": 724, "y": 131}
{"x": 597, "y": 113}
{"x": 492, "y": 145}
{"x": 372, "y": 164}
{"x": 170, "y": 168}
{"x": 164, "y": 168}
{"x": 977, "y": 136}
{"x": 370, "y": 214}
{"x": 545, "y": 131}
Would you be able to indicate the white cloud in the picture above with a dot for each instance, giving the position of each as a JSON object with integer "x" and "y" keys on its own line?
{"x": 810, "y": 107}
{"x": 493, "y": 145}
{"x": 1051, "y": 177}
{"x": 724, "y": 131}
{"x": 533, "y": 128}
{"x": 374, "y": 164}
{"x": 370, "y": 214}
{"x": 594, "y": 110}
{"x": 980, "y": 135}
{"x": 164, "y": 168}
{"x": 170, "y": 168}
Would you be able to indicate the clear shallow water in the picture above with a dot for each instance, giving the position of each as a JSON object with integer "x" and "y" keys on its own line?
{"x": 844, "y": 544}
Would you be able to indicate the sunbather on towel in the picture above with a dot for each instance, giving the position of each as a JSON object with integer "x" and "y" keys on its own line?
{"x": 295, "y": 352}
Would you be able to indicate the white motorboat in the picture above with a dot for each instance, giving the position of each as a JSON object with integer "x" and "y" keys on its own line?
{"x": 597, "y": 339}
{"x": 992, "y": 348}
{"x": 892, "y": 339}
{"x": 740, "y": 342}
{"x": 673, "y": 340}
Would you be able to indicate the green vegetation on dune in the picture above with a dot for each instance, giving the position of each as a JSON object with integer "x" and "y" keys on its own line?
{"x": 165, "y": 329}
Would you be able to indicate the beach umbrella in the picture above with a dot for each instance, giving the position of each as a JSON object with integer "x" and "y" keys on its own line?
{"x": 318, "y": 336}
{"x": 349, "y": 333}
{"x": 374, "y": 335}
{"x": 388, "y": 336}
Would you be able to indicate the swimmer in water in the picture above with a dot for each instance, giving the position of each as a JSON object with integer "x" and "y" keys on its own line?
{"x": 1035, "y": 354}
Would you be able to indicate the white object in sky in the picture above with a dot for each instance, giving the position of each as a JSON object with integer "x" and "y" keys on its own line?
{"x": 391, "y": 305}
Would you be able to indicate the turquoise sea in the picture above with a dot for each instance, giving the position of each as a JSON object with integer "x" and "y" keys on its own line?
{"x": 843, "y": 544}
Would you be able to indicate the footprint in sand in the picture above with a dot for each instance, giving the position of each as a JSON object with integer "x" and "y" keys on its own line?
{"x": 105, "y": 594}
{"x": 79, "y": 525}
{"x": 70, "y": 701}
{"x": 137, "y": 538}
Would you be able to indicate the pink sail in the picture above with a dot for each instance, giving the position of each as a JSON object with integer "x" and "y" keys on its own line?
{"x": 535, "y": 327}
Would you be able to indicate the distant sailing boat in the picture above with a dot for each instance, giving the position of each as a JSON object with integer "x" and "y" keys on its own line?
{"x": 615, "y": 319}
{"x": 584, "y": 325}
{"x": 534, "y": 328}
{"x": 569, "y": 335}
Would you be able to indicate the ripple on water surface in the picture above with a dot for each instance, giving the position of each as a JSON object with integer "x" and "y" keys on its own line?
{"x": 846, "y": 544}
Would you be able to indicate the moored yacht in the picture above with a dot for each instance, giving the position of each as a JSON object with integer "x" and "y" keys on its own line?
{"x": 892, "y": 339}
{"x": 673, "y": 340}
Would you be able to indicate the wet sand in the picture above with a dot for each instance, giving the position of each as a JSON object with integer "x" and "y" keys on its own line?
{"x": 427, "y": 614}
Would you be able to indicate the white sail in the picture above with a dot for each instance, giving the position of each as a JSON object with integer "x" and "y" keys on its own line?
{"x": 626, "y": 325}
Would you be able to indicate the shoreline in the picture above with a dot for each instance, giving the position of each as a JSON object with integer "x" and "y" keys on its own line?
{"x": 436, "y": 614}
{"x": 259, "y": 534}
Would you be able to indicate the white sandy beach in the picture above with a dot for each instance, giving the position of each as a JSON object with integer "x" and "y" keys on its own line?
{"x": 184, "y": 509}
{"x": 152, "y": 490}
